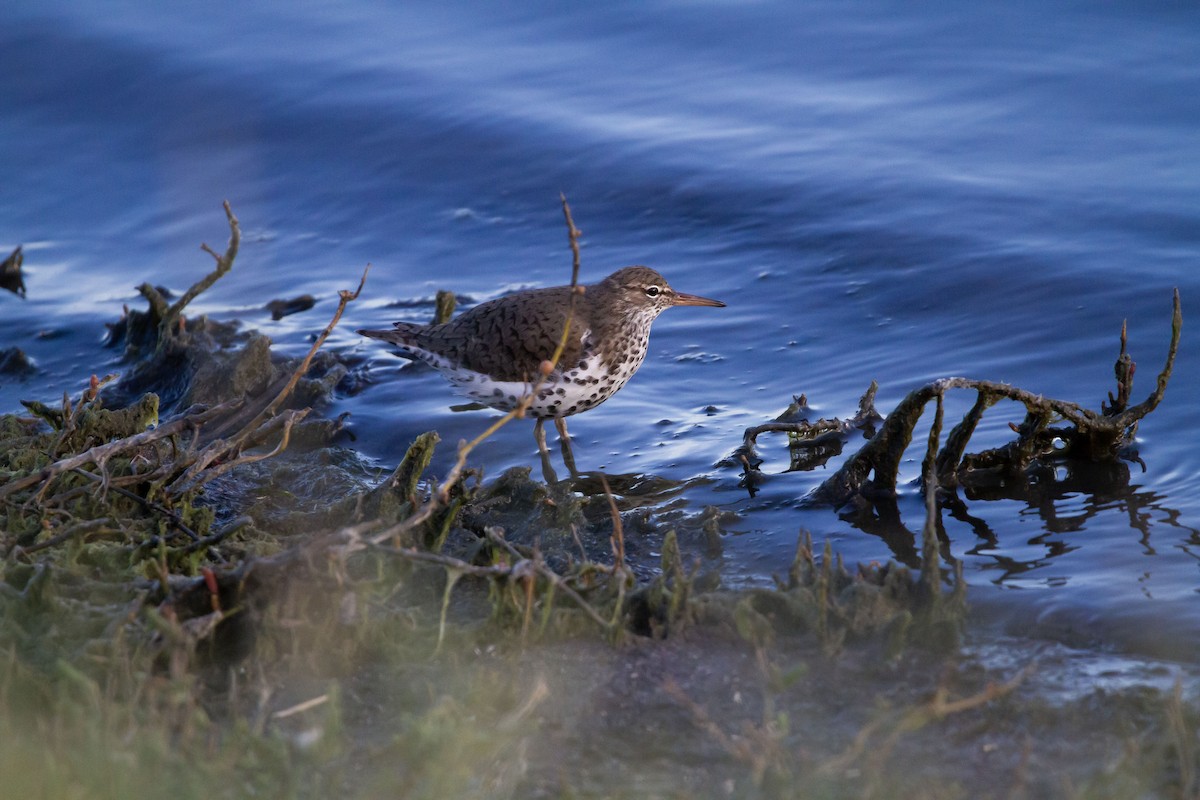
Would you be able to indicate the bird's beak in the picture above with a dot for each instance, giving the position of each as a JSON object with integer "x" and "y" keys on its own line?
{"x": 682, "y": 299}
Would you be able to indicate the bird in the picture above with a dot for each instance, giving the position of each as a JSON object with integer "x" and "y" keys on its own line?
{"x": 500, "y": 351}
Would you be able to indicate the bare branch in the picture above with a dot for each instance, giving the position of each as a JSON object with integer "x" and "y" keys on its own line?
{"x": 224, "y": 264}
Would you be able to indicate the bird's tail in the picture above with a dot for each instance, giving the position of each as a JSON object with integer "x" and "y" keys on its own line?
{"x": 393, "y": 336}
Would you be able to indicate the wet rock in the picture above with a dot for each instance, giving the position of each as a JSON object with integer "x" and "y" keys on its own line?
{"x": 282, "y": 308}
{"x": 13, "y": 361}
{"x": 10, "y": 273}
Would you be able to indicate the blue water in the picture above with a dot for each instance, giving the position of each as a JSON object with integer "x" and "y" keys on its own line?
{"x": 878, "y": 191}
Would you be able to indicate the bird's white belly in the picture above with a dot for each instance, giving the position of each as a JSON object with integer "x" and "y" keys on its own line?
{"x": 588, "y": 384}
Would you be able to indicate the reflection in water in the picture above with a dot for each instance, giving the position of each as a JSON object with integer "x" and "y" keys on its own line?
{"x": 1088, "y": 488}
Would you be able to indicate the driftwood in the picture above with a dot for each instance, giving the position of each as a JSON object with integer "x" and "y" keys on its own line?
{"x": 1103, "y": 436}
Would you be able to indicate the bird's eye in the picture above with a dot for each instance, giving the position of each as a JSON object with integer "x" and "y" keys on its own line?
{"x": 653, "y": 291}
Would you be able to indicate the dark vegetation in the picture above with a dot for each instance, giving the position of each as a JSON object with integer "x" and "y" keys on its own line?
{"x": 203, "y": 594}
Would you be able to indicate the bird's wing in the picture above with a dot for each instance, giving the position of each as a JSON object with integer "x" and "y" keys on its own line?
{"x": 509, "y": 338}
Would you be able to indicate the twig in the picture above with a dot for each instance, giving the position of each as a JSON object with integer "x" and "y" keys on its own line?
{"x": 618, "y": 537}
{"x": 560, "y": 584}
{"x": 172, "y": 516}
{"x": 517, "y": 716}
{"x": 344, "y": 297}
{"x": 224, "y": 264}
{"x": 930, "y": 575}
{"x": 300, "y": 708}
{"x": 759, "y": 747}
{"x": 496, "y": 536}
{"x": 79, "y": 529}
{"x": 1132, "y": 415}
{"x": 449, "y": 562}
{"x": 266, "y": 421}
{"x": 215, "y": 538}
{"x": 915, "y": 718}
{"x": 573, "y": 235}
{"x": 72, "y": 413}
{"x": 458, "y": 567}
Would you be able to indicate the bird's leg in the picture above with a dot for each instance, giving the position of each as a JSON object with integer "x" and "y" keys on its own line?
{"x": 539, "y": 433}
{"x": 564, "y": 440}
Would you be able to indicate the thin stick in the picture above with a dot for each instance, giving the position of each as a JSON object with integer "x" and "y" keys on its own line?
{"x": 496, "y": 536}
{"x": 618, "y": 537}
{"x": 262, "y": 423}
{"x": 215, "y": 538}
{"x": 344, "y": 297}
{"x": 75, "y": 530}
{"x": 201, "y": 472}
{"x": 172, "y": 516}
{"x": 300, "y": 707}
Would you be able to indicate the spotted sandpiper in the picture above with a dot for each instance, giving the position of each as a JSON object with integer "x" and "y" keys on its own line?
{"x": 498, "y": 352}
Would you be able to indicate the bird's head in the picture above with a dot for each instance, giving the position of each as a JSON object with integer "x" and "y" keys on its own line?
{"x": 641, "y": 290}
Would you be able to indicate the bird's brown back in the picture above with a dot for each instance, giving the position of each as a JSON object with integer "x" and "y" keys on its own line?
{"x": 507, "y": 338}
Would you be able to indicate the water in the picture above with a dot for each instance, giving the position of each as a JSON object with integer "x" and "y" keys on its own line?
{"x": 882, "y": 192}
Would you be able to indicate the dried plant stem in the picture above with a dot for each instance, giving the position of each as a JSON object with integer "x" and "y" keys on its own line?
{"x": 618, "y": 535}
{"x": 202, "y": 471}
{"x": 496, "y": 536}
{"x": 520, "y": 567}
{"x": 172, "y": 516}
{"x": 300, "y": 708}
{"x": 344, "y": 298}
